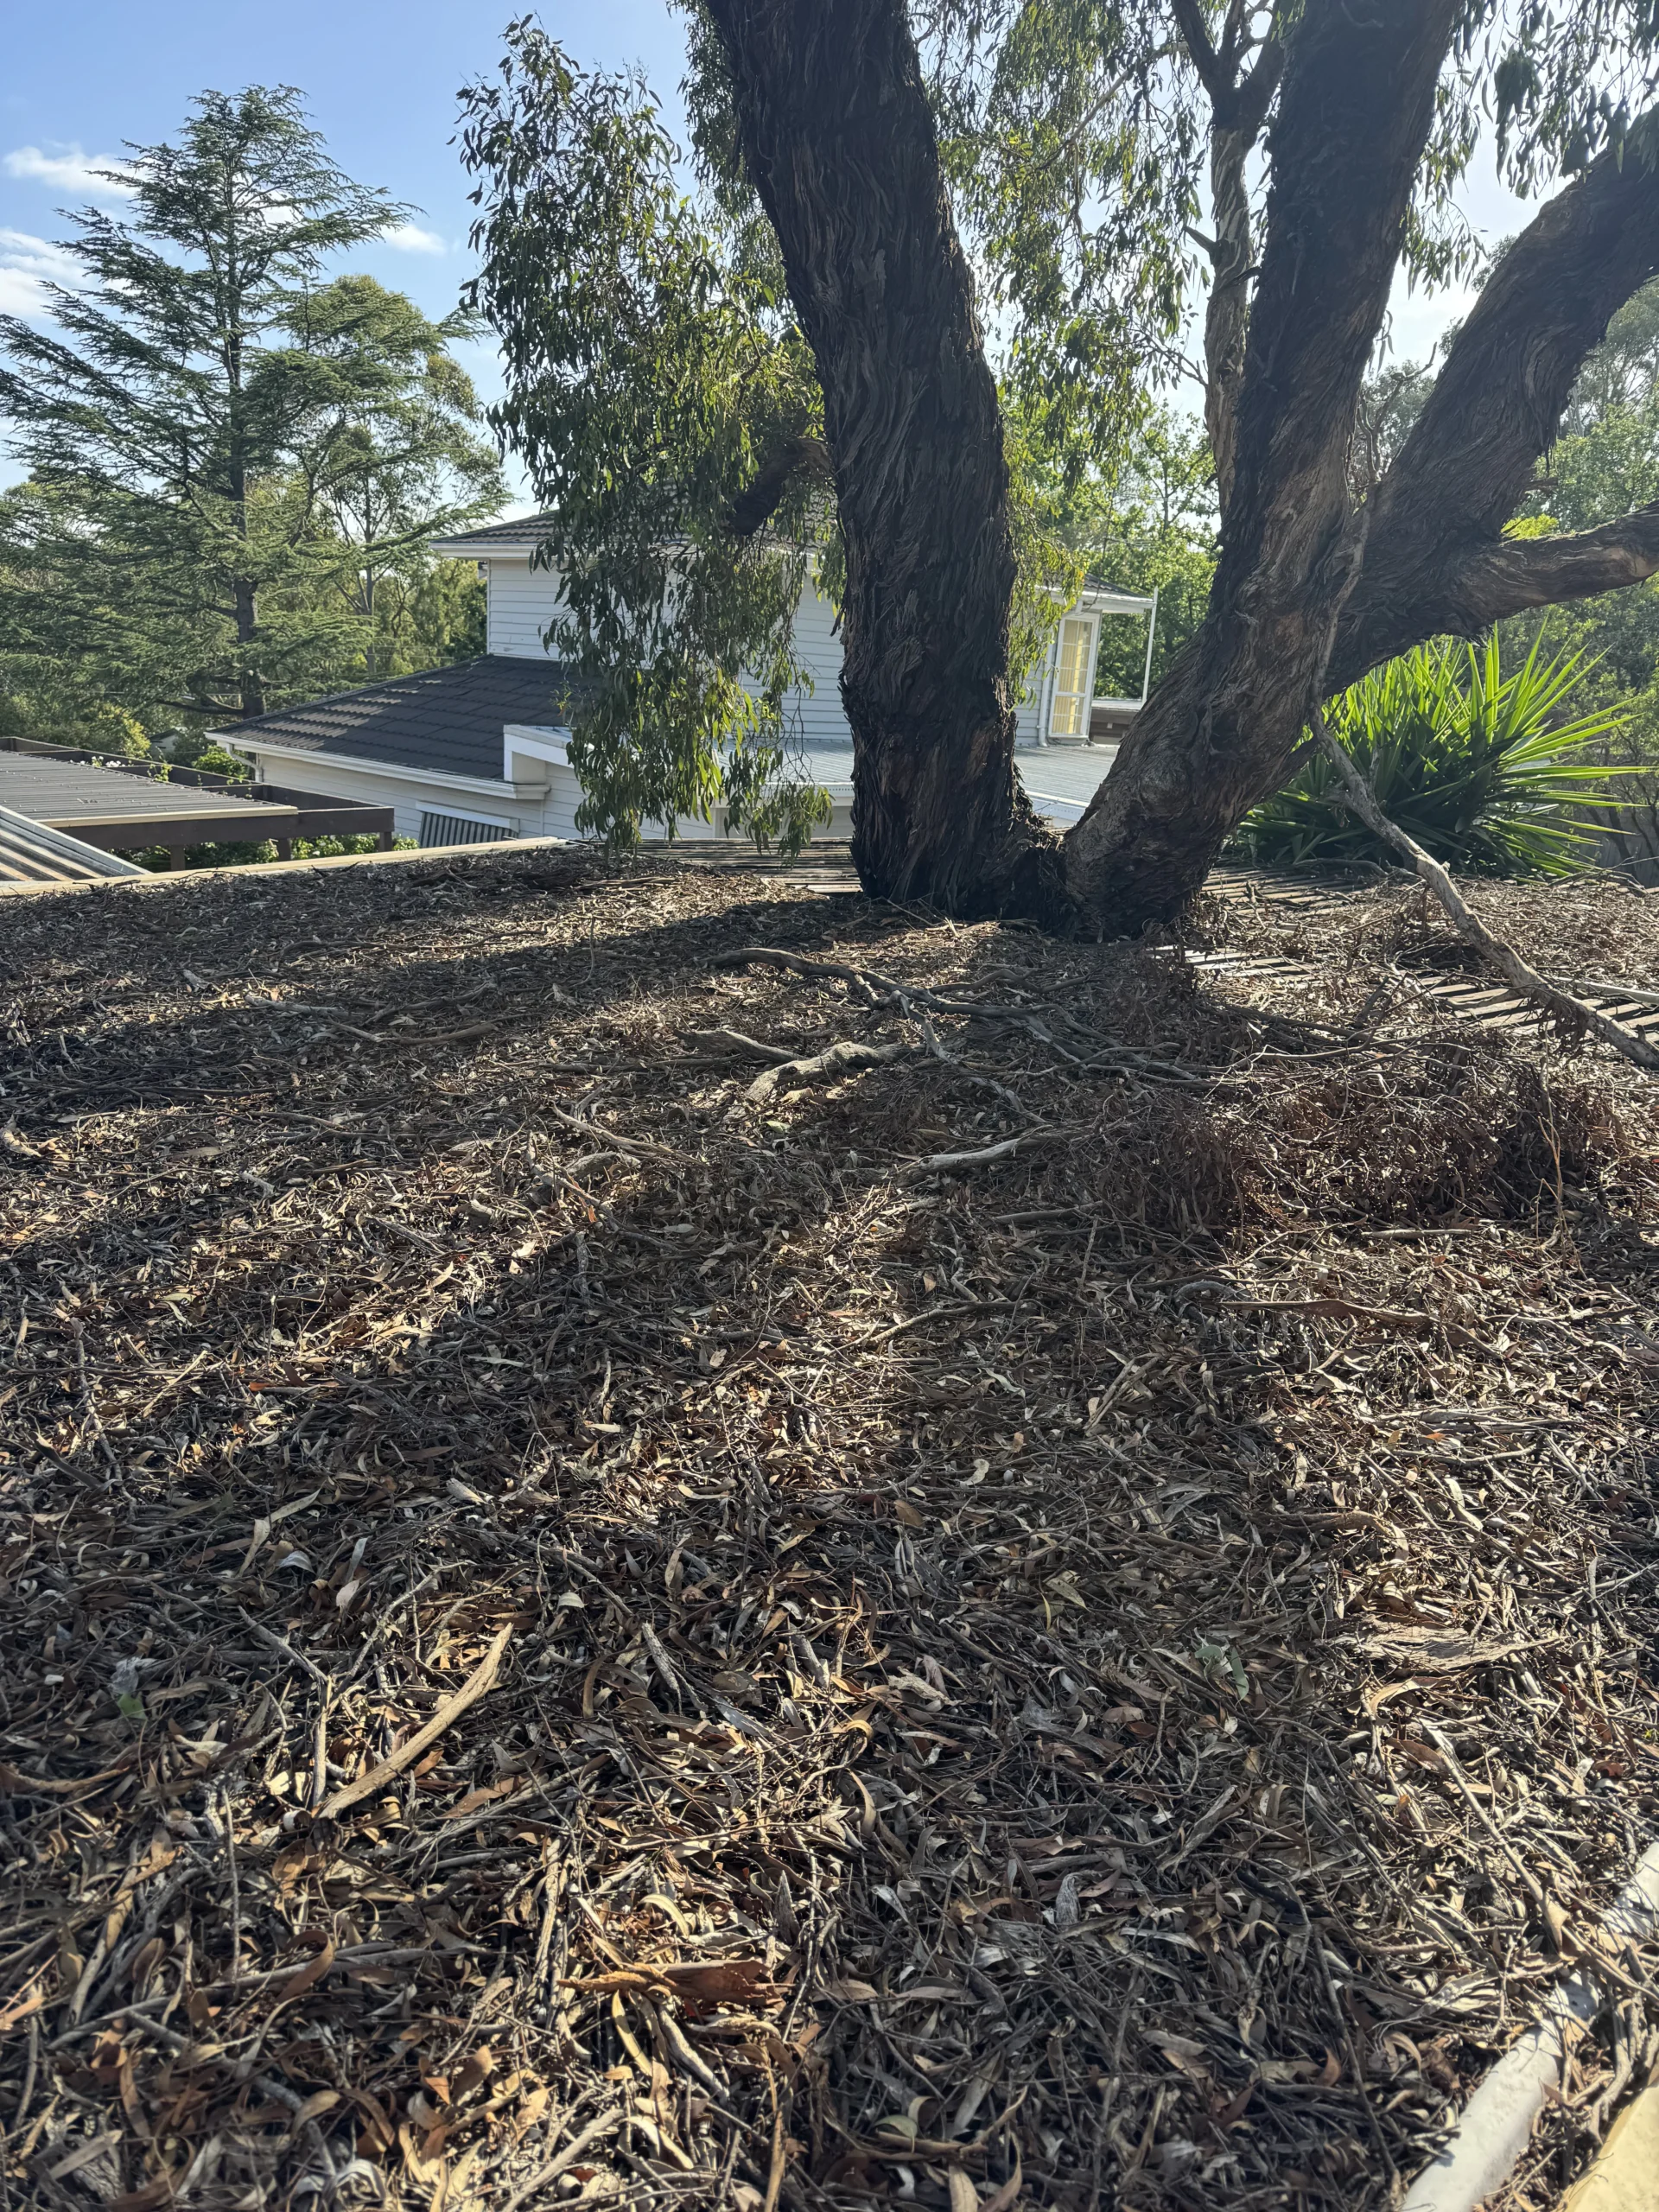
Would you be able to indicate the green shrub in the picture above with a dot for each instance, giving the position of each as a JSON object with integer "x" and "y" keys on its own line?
{"x": 1477, "y": 765}
{"x": 214, "y": 760}
{"x": 246, "y": 854}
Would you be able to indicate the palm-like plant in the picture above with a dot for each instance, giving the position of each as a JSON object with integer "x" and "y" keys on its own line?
{"x": 1481, "y": 768}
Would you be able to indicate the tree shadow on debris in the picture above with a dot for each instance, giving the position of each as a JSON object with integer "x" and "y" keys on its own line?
{"x": 1013, "y": 1671}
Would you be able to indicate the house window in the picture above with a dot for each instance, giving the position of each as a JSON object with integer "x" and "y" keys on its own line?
{"x": 1074, "y": 677}
{"x": 461, "y": 829}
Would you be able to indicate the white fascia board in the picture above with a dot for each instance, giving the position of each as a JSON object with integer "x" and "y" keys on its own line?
{"x": 534, "y": 741}
{"x": 457, "y": 550}
{"x": 1095, "y": 599}
{"x": 1115, "y": 602}
{"x": 484, "y": 786}
{"x": 464, "y": 548}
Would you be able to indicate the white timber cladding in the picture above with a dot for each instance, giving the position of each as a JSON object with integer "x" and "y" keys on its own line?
{"x": 410, "y": 792}
{"x": 536, "y": 797}
{"x": 816, "y": 717}
{"x": 524, "y": 601}
{"x": 536, "y": 793}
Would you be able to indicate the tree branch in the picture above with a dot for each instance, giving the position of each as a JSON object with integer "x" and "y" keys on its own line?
{"x": 1434, "y": 558}
{"x": 753, "y": 508}
{"x": 1195, "y": 37}
{"x": 1237, "y": 103}
{"x": 1361, "y": 800}
{"x": 1257, "y": 88}
{"x": 1354, "y": 115}
{"x": 1520, "y": 572}
{"x": 1238, "y": 108}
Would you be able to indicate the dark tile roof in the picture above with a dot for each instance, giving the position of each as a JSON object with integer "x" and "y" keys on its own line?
{"x": 522, "y": 535}
{"x": 448, "y": 718}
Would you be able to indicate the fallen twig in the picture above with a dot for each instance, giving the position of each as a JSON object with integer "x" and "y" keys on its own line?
{"x": 734, "y": 1040}
{"x": 1344, "y": 1309}
{"x": 638, "y": 1146}
{"x": 910, "y": 999}
{"x": 281, "y": 1643}
{"x": 1362, "y": 801}
{"x": 838, "y": 1059}
{"x": 605, "y": 2125}
{"x": 452, "y": 1708}
{"x": 940, "y": 1163}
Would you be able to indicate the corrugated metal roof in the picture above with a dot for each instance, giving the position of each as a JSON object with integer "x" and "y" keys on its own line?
{"x": 77, "y": 794}
{"x": 31, "y": 853}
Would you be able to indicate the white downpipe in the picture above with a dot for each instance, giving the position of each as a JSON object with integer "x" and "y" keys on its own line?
{"x": 1151, "y": 634}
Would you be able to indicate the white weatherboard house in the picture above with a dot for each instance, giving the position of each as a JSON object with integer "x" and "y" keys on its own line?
{"x": 478, "y": 750}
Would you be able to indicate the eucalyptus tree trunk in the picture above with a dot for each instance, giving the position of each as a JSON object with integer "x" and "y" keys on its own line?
{"x": 1436, "y": 558}
{"x": 1219, "y": 733}
{"x": 838, "y": 137}
{"x": 1308, "y": 591}
{"x": 1308, "y": 594}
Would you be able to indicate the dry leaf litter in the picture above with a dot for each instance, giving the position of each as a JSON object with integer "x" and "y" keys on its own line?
{"x": 936, "y": 1567}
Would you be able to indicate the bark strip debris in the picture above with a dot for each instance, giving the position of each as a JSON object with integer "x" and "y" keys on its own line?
{"x": 971, "y": 1650}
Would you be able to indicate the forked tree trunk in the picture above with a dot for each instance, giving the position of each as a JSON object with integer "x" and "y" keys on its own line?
{"x": 1354, "y": 116}
{"x": 1302, "y": 606}
{"x": 839, "y": 139}
{"x": 1436, "y": 558}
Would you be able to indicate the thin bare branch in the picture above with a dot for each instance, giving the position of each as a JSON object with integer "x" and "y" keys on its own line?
{"x": 1508, "y": 962}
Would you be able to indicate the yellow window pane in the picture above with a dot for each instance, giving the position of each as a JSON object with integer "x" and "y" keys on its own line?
{"x": 1069, "y": 712}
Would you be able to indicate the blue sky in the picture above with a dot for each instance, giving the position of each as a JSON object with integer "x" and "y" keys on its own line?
{"x": 380, "y": 79}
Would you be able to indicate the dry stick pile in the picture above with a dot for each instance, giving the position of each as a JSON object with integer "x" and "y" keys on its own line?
{"x": 582, "y": 1625}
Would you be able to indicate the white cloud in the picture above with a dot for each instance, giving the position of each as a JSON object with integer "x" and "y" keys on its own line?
{"x": 27, "y": 266}
{"x": 410, "y": 237}
{"x": 70, "y": 170}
